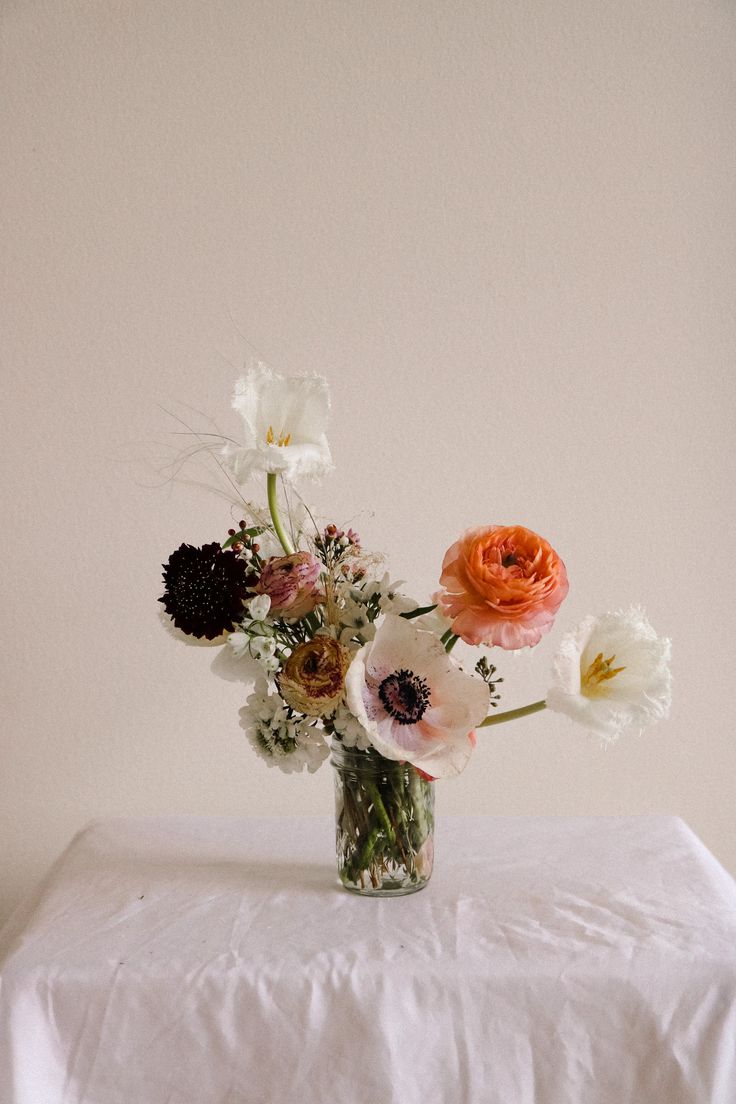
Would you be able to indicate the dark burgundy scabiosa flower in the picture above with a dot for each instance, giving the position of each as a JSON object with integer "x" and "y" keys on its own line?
{"x": 205, "y": 588}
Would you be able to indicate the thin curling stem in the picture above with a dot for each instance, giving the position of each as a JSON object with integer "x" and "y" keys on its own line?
{"x": 512, "y": 714}
{"x": 273, "y": 506}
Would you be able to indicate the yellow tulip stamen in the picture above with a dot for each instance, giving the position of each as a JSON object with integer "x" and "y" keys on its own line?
{"x": 599, "y": 672}
{"x": 284, "y": 439}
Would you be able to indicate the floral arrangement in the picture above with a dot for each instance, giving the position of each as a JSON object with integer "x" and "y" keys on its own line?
{"x": 347, "y": 660}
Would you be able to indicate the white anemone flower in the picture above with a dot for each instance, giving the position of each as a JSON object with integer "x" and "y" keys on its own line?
{"x": 416, "y": 704}
{"x": 611, "y": 673}
{"x": 285, "y": 422}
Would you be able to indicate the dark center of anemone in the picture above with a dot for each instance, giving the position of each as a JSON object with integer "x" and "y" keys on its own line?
{"x": 405, "y": 696}
{"x": 509, "y": 560}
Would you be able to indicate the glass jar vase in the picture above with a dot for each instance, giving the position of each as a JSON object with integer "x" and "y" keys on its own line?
{"x": 384, "y": 818}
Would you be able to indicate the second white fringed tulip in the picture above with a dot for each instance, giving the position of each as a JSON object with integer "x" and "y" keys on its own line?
{"x": 612, "y": 673}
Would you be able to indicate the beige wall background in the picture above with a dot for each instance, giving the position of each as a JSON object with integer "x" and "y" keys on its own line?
{"x": 504, "y": 232}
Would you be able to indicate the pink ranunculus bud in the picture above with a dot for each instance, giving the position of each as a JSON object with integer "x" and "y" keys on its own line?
{"x": 291, "y": 584}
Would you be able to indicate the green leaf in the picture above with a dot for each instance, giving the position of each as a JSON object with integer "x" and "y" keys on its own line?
{"x": 242, "y": 533}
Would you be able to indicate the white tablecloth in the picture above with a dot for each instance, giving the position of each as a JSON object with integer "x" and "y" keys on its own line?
{"x": 216, "y": 961}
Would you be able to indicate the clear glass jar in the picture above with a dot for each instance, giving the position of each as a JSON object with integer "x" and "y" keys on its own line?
{"x": 384, "y": 817}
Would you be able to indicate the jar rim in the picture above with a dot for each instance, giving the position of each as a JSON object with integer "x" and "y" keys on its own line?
{"x": 368, "y": 760}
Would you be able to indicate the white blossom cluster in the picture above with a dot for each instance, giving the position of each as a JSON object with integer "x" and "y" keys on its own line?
{"x": 360, "y": 603}
{"x": 281, "y": 738}
{"x": 350, "y": 730}
{"x": 390, "y": 598}
{"x": 255, "y": 638}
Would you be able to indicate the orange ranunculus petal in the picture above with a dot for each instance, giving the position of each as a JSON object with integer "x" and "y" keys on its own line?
{"x": 502, "y": 584}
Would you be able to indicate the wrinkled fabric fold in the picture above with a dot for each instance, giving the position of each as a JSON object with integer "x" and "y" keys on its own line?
{"x": 216, "y": 961}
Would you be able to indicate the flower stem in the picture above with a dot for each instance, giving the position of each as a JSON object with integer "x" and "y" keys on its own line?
{"x": 419, "y": 821}
{"x": 362, "y": 860}
{"x": 380, "y": 808}
{"x": 417, "y": 612}
{"x": 281, "y": 533}
{"x": 512, "y": 714}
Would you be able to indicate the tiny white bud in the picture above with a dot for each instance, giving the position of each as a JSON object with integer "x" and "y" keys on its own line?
{"x": 259, "y": 606}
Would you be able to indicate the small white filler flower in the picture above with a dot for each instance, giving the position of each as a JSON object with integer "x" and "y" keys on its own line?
{"x": 285, "y": 422}
{"x": 258, "y": 607}
{"x": 611, "y": 673}
{"x": 280, "y": 737}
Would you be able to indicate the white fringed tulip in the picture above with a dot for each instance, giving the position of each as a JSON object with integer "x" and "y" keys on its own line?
{"x": 611, "y": 673}
{"x": 285, "y": 422}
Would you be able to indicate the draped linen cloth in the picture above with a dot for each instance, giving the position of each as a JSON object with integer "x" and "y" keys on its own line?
{"x": 216, "y": 961}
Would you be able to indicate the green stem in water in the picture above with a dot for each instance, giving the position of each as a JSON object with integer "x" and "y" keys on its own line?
{"x": 378, "y": 805}
{"x": 512, "y": 714}
{"x": 420, "y": 819}
{"x": 281, "y": 533}
{"x": 363, "y": 859}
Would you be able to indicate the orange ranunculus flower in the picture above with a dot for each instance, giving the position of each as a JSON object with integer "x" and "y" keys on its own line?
{"x": 503, "y": 584}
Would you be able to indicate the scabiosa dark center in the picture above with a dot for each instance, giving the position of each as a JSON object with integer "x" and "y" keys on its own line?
{"x": 405, "y": 696}
{"x": 205, "y": 588}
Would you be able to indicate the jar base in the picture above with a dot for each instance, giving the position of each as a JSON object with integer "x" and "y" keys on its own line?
{"x": 386, "y": 889}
